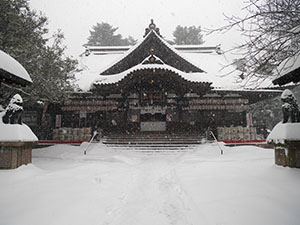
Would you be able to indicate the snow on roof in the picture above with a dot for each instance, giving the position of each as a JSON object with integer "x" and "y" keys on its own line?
{"x": 125, "y": 54}
{"x": 128, "y": 62}
{"x": 15, "y": 132}
{"x": 284, "y": 131}
{"x": 99, "y": 50}
{"x": 174, "y": 49}
{"x": 109, "y": 48}
{"x": 223, "y": 75}
{"x": 288, "y": 65}
{"x": 200, "y": 77}
{"x": 92, "y": 66}
{"x": 216, "y": 67}
{"x": 103, "y": 50}
{"x": 291, "y": 63}
{"x": 9, "y": 64}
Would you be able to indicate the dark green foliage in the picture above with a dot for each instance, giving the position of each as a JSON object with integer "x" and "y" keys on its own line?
{"x": 23, "y": 36}
{"x": 188, "y": 35}
{"x": 103, "y": 34}
{"x": 268, "y": 113}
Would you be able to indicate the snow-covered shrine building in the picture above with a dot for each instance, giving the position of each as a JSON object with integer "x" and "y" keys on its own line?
{"x": 154, "y": 87}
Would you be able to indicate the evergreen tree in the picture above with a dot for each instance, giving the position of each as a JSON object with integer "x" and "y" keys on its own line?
{"x": 22, "y": 35}
{"x": 188, "y": 35}
{"x": 57, "y": 72}
{"x": 103, "y": 34}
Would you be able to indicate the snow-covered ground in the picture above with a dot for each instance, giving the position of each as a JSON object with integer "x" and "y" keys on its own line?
{"x": 114, "y": 187}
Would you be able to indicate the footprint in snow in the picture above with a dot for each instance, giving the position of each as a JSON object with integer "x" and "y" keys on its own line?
{"x": 98, "y": 180}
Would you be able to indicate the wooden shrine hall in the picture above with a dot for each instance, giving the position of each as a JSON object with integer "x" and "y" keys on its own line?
{"x": 153, "y": 88}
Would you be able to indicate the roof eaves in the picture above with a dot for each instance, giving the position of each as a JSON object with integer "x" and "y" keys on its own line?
{"x": 114, "y": 78}
{"x": 10, "y": 78}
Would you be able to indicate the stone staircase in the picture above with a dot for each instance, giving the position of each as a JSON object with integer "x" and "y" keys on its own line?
{"x": 153, "y": 142}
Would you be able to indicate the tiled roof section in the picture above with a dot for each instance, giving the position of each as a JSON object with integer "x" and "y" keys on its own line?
{"x": 129, "y": 79}
{"x": 151, "y": 44}
{"x": 117, "y": 77}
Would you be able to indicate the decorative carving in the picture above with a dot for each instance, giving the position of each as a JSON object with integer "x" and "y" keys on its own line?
{"x": 152, "y": 26}
{"x": 14, "y": 111}
{"x": 290, "y": 108}
{"x": 152, "y": 59}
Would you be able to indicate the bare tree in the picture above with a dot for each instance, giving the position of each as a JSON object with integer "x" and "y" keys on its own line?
{"x": 272, "y": 28}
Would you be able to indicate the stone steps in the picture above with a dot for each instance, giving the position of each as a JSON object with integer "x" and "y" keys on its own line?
{"x": 152, "y": 142}
{"x": 153, "y": 148}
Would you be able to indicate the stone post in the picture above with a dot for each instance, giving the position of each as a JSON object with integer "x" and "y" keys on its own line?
{"x": 286, "y": 140}
{"x": 15, "y": 154}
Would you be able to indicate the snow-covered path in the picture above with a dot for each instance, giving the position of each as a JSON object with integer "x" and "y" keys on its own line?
{"x": 154, "y": 193}
{"x": 108, "y": 187}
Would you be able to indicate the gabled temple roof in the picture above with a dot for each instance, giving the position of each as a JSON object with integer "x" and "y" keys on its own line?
{"x": 103, "y": 65}
{"x": 215, "y": 66}
{"x": 151, "y": 44}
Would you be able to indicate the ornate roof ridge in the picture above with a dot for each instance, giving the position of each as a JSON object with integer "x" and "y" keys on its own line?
{"x": 152, "y": 59}
{"x": 105, "y": 71}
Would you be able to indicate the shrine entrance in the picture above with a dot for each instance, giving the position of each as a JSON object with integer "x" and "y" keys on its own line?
{"x": 152, "y": 105}
{"x": 153, "y": 118}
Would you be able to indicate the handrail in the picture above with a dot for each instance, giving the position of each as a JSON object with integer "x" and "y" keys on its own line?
{"x": 95, "y": 133}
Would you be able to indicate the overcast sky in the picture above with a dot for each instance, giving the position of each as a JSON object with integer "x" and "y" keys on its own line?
{"x": 76, "y": 17}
